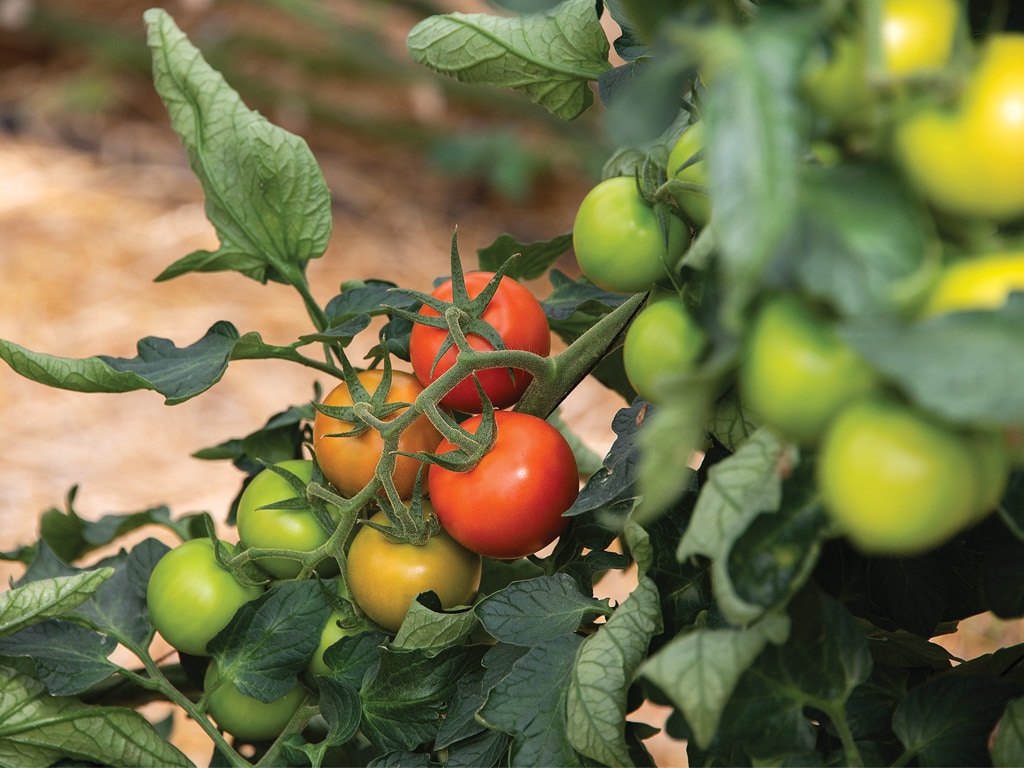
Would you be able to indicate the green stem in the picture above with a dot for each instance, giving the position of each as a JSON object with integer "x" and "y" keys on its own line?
{"x": 573, "y": 364}
{"x": 157, "y": 680}
{"x": 837, "y": 714}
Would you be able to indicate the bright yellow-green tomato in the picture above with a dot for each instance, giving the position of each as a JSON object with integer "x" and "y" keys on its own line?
{"x": 918, "y": 35}
{"x": 294, "y": 529}
{"x": 663, "y": 341}
{"x": 618, "y": 241}
{"x": 243, "y": 716}
{"x": 895, "y": 481}
{"x": 795, "y": 372}
{"x": 696, "y": 205}
{"x": 981, "y": 282}
{"x": 970, "y": 161}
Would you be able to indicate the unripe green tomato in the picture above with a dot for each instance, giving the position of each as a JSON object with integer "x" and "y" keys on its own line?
{"x": 617, "y": 239}
{"x": 795, "y": 372}
{"x": 663, "y": 341}
{"x": 281, "y": 528}
{"x": 247, "y": 718}
{"x": 696, "y": 205}
{"x": 332, "y": 632}
{"x": 191, "y": 597}
{"x": 896, "y": 481}
{"x": 994, "y": 463}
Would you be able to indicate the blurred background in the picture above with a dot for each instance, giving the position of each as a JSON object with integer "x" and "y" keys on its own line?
{"x": 96, "y": 198}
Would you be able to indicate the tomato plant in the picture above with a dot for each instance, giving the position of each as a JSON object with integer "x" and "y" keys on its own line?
{"x": 813, "y": 473}
{"x": 191, "y": 597}
{"x": 619, "y": 243}
{"x": 349, "y": 461}
{"x": 385, "y": 576}
{"x": 261, "y": 524}
{"x": 510, "y": 504}
{"x": 517, "y": 319}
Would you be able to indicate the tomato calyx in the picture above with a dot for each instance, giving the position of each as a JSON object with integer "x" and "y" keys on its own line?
{"x": 462, "y": 316}
{"x": 407, "y": 524}
{"x": 369, "y": 410}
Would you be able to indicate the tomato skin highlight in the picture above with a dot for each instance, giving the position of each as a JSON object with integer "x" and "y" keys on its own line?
{"x": 349, "y": 463}
{"x": 280, "y": 528}
{"x": 617, "y": 239}
{"x": 518, "y": 318}
{"x": 385, "y": 576}
{"x": 510, "y": 504}
{"x": 191, "y": 597}
{"x": 247, "y": 718}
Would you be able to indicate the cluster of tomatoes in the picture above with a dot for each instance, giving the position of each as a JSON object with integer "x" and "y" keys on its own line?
{"x": 507, "y": 503}
{"x": 896, "y": 479}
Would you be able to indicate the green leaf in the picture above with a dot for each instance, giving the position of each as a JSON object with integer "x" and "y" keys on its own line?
{"x": 427, "y": 630}
{"x": 529, "y": 703}
{"x": 615, "y": 481}
{"x": 1008, "y": 745}
{"x": 605, "y": 667}
{"x": 39, "y": 729}
{"x": 534, "y": 258}
{"x": 753, "y": 145}
{"x": 268, "y": 642}
{"x": 533, "y": 611}
{"x": 552, "y": 57}
{"x": 699, "y": 670}
{"x": 406, "y": 696}
{"x": 353, "y": 656}
{"x": 948, "y": 720}
{"x": 265, "y": 193}
{"x": 279, "y": 439}
{"x": 738, "y": 489}
{"x": 573, "y": 306}
{"x": 47, "y": 598}
{"x": 945, "y": 364}
{"x": 69, "y": 659}
{"x": 339, "y": 705}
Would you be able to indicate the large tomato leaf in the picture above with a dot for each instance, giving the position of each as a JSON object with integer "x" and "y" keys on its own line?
{"x": 47, "y": 598}
{"x": 1008, "y": 744}
{"x": 406, "y": 695}
{"x": 738, "y": 489}
{"x": 269, "y": 640}
{"x": 529, "y": 703}
{"x": 534, "y": 611}
{"x": 69, "y": 659}
{"x": 552, "y": 56}
{"x": 533, "y": 259}
{"x": 698, "y": 670}
{"x": 965, "y": 366}
{"x": 265, "y": 193}
{"x": 39, "y": 729}
{"x": 432, "y": 631}
{"x": 754, "y": 143}
{"x": 607, "y": 662}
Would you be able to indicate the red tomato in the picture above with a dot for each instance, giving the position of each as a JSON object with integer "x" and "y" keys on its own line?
{"x": 511, "y": 503}
{"x": 518, "y": 318}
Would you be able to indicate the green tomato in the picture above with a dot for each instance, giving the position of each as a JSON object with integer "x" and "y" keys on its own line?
{"x": 191, "y": 597}
{"x": 332, "y": 632}
{"x": 696, "y": 205}
{"x": 272, "y": 528}
{"x": 244, "y": 717}
{"x": 662, "y": 342}
{"x": 795, "y": 372}
{"x": 895, "y": 481}
{"x": 617, "y": 239}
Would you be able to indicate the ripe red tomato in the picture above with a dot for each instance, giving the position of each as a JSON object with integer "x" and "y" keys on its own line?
{"x": 386, "y": 576}
{"x": 350, "y": 462}
{"x": 518, "y": 318}
{"x": 510, "y": 504}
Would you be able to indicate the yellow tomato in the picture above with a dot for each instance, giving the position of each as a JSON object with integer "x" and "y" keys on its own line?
{"x": 917, "y": 35}
{"x": 982, "y": 282}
